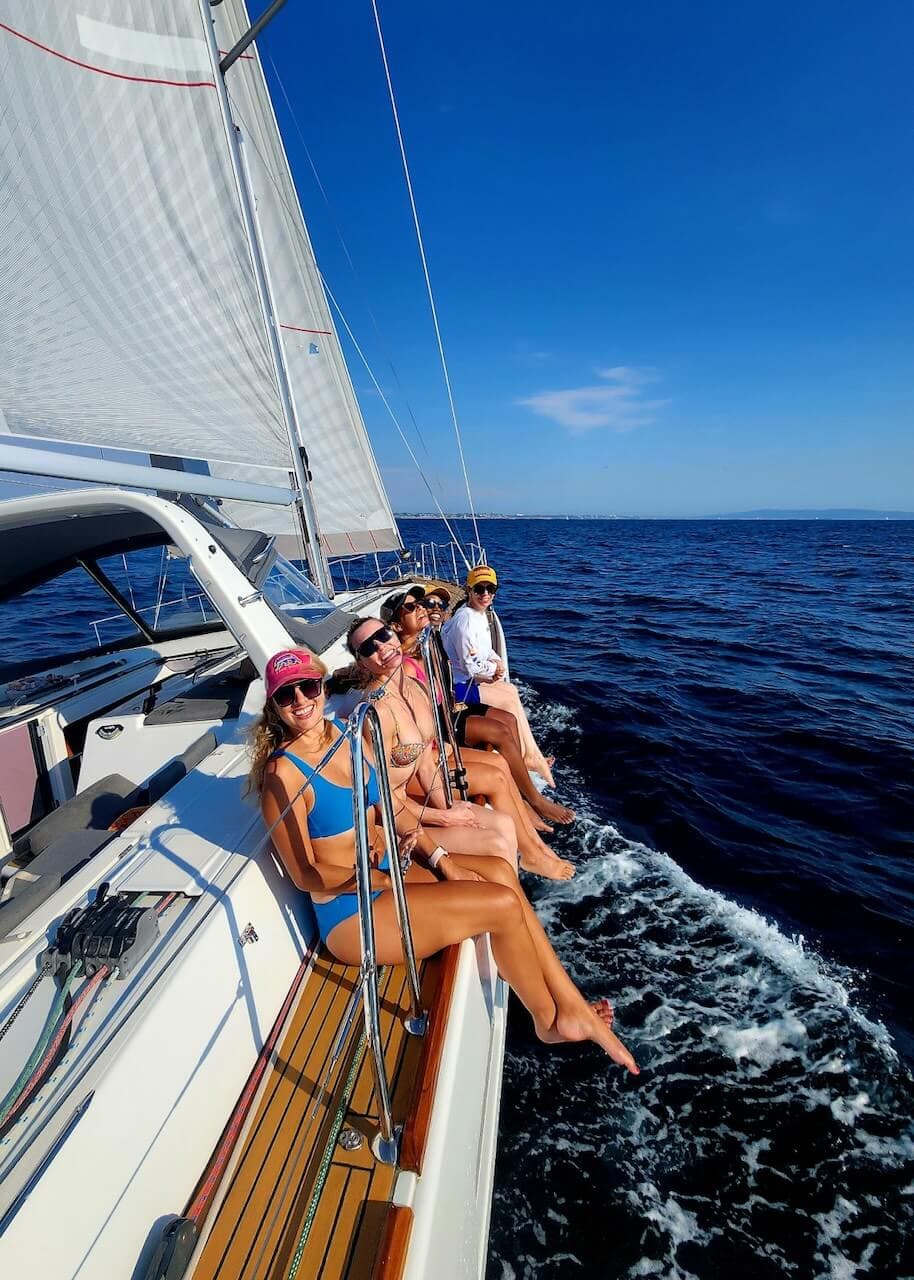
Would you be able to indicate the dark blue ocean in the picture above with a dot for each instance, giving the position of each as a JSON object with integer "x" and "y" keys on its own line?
{"x": 731, "y": 705}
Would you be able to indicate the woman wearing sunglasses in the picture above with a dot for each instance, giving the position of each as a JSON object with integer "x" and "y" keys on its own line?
{"x": 437, "y": 602}
{"x": 409, "y": 735}
{"x": 479, "y": 673}
{"x": 477, "y": 724}
{"x": 450, "y": 898}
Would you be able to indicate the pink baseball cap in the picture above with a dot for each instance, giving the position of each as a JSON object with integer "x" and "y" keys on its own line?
{"x": 288, "y": 666}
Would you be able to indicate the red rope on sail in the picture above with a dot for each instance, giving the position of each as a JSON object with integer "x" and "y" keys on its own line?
{"x": 102, "y": 71}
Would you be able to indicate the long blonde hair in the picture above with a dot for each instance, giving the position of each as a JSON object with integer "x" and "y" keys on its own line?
{"x": 268, "y": 734}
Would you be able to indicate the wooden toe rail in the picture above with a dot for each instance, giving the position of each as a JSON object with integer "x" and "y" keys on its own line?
{"x": 295, "y": 1199}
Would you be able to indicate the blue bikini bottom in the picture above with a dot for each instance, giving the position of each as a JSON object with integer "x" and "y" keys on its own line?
{"x": 330, "y": 914}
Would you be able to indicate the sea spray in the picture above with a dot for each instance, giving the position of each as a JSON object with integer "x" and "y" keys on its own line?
{"x": 771, "y": 1131}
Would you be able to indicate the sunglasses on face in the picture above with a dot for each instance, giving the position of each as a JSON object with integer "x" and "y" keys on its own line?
{"x": 434, "y": 605}
{"x": 484, "y": 589}
{"x": 383, "y": 635}
{"x": 411, "y": 606}
{"x": 285, "y": 695}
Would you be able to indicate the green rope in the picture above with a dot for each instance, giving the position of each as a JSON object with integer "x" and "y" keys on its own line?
{"x": 327, "y": 1158}
{"x": 38, "y": 1052}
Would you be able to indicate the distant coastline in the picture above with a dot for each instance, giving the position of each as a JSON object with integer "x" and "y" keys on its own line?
{"x": 773, "y": 513}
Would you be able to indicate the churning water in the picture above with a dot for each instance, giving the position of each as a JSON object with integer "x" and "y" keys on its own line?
{"x": 731, "y": 706}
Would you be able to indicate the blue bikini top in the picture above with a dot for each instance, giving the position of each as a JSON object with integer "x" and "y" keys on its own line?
{"x": 331, "y": 813}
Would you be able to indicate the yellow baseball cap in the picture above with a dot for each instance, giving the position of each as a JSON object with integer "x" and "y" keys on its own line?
{"x": 482, "y": 573}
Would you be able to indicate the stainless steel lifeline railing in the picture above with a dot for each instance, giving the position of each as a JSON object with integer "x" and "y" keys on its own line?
{"x": 439, "y": 692}
{"x": 387, "y": 1144}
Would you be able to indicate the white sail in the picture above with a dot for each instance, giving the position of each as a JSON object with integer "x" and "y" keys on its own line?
{"x": 129, "y": 315}
{"x": 128, "y": 312}
{"x": 352, "y": 506}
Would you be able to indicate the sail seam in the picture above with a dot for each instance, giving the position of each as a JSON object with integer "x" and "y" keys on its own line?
{"x": 395, "y": 420}
{"x": 103, "y": 71}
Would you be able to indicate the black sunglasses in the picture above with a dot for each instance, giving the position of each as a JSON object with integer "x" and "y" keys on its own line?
{"x": 383, "y": 635}
{"x": 432, "y": 602}
{"x": 411, "y": 606}
{"x": 484, "y": 589}
{"x": 285, "y": 694}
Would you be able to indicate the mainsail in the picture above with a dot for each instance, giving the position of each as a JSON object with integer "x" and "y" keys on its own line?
{"x": 129, "y": 314}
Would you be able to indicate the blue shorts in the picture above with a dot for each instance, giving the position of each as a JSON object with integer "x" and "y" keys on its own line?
{"x": 466, "y": 691}
{"x": 330, "y": 914}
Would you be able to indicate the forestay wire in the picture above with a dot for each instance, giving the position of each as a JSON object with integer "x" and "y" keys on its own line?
{"x": 251, "y": 141}
{"x": 428, "y": 282}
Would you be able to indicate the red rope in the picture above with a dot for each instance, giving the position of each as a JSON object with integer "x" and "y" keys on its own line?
{"x": 101, "y": 71}
{"x": 51, "y": 1052}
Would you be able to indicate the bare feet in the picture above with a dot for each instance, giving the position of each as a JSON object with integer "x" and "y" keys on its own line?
{"x": 547, "y": 864}
{"x": 538, "y": 764}
{"x": 570, "y": 1027}
{"x": 554, "y": 812}
{"x": 537, "y": 822}
{"x": 604, "y": 1010}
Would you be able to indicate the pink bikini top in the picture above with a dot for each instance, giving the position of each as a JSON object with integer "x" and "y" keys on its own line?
{"x": 417, "y": 671}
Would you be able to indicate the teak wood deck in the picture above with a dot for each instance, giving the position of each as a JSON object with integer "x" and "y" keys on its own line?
{"x": 297, "y": 1204}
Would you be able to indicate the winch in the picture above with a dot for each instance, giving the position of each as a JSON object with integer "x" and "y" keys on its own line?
{"x": 109, "y": 931}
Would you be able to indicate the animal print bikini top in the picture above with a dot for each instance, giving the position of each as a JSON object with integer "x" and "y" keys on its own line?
{"x": 402, "y": 754}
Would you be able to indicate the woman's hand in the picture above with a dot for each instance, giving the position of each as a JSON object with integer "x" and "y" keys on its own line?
{"x": 448, "y": 869}
{"x": 407, "y": 844}
{"x": 461, "y": 814}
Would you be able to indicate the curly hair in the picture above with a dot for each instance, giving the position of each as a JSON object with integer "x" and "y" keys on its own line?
{"x": 268, "y": 734}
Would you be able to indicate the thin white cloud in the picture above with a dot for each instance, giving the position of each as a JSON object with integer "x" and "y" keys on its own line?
{"x": 616, "y": 403}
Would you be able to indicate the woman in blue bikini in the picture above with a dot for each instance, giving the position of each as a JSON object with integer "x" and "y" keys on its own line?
{"x": 450, "y": 898}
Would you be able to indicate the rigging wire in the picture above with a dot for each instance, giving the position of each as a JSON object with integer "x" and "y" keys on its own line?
{"x": 428, "y": 282}
{"x": 251, "y": 140}
{"x": 352, "y": 267}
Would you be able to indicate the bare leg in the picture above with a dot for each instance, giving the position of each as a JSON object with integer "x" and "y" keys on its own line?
{"x": 570, "y": 1003}
{"x": 491, "y": 730}
{"x": 564, "y": 992}
{"x": 445, "y": 913}
{"x": 488, "y": 775}
{"x": 537, "y": 822}
{"x": 501, "y": 693}
{"x": 495, "y": 836}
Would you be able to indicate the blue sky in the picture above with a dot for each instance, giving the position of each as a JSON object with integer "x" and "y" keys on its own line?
{"x": 671, "y": 245}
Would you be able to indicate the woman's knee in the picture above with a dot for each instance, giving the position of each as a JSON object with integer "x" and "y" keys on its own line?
{"x": 506, "y": 905}
{"x": 498, "y": 734}
{"x": 504, "y": 842}
{"x": 500, "y": 871}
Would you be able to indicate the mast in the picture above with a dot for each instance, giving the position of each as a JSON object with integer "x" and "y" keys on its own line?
{"x": 305, "y": 506}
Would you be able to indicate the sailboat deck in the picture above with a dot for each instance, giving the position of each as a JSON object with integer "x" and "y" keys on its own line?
{"x": 297, "y": 1204}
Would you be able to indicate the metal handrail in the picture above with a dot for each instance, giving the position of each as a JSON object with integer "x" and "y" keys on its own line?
{"x": 387, "y": 1144}
{"x": 439, "y": 696}
{"x": 436, "y": 560}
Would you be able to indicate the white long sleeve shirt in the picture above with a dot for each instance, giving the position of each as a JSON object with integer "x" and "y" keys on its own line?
{"x": 468, "y": 643}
